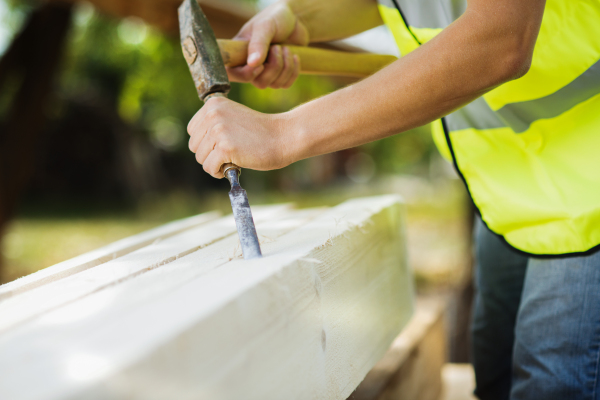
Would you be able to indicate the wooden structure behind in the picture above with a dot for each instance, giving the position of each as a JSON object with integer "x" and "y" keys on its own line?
{"x": 225, "y": 16}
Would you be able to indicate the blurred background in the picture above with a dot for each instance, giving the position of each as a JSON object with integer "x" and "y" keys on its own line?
{"x": 95, "y": 98}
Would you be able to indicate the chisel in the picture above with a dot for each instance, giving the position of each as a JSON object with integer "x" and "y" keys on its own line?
{"x": 207, "y": 58}
{"x": 203, "y": 56}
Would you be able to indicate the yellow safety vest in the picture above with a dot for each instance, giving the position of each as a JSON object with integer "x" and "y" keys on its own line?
{"x": 529, "y": 150}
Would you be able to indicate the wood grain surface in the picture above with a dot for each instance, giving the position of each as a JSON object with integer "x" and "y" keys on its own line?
{"x": 188, "y": 318}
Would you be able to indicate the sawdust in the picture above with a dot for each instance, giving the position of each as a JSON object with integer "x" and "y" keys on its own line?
{"x": 237, "y": 251}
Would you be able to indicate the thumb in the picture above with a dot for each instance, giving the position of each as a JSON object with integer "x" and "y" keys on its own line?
{"x": 260, "y": 42}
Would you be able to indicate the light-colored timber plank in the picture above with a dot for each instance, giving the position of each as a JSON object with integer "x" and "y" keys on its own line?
{"x": 95, "y": 312}
{"x": 102, "y": 255}
{"x": 411, "y": 368}
{"x": 307, "y": 321}
{"x": 20, "y": 308}
{"x": 459, "y": 382}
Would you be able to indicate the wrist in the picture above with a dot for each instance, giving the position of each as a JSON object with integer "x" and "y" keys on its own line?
{"x": 292, "y": 133}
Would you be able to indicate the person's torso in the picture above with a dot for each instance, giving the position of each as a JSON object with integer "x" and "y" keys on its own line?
{"x": 527, "y": 150}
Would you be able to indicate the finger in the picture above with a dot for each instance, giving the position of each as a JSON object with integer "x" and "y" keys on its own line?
{"x": 295, "y": 73}
{"x": 203, "y": 153}
{"x": 194, "y": 141}
{"x": 197, "y": 138}
{"x": 262, "y": 35}
{"x": 287, "y": 70}
{"x": 299, "y": 35}
{"x": 245, "y": 32}
{"x": 197, "y": 119}
{"x": 244, "y": 74}
{"x": 202, "y": 122}
{"x": 206, "y": 146}
{"x": 272, "y": 70}
{"x": 214, "y": 161}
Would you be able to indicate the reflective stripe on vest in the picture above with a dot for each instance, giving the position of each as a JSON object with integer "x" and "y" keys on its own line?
{"x": 529, "y": 150}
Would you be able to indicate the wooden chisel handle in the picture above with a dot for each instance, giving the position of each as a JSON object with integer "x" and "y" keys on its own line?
{"x": 312, "y": 60}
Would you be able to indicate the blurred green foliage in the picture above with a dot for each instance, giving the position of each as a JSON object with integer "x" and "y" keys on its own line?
{"x": 136, "y": 67}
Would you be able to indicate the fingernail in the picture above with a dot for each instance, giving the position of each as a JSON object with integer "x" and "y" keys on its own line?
{"x": 253, "y": 57}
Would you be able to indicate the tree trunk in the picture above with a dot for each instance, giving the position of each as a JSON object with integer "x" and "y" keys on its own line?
{"x": 29, "y": 66}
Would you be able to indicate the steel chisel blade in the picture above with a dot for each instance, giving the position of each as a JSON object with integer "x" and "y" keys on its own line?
{"x": 243, "y": 220}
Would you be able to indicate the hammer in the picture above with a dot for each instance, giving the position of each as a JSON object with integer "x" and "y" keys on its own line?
{"x": 207, "y": 58}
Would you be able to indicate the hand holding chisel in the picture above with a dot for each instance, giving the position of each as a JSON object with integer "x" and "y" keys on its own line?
{"x": 207, "y": 58}
{"x": 208, "y": 70}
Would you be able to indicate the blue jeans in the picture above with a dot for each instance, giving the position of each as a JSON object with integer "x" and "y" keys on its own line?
{"x": 536, "y": 324}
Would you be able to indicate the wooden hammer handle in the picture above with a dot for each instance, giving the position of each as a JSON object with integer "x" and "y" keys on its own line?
{"x": 312, "y": 60}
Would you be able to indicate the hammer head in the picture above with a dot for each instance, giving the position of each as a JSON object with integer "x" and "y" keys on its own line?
{"x": 201, "y": 51}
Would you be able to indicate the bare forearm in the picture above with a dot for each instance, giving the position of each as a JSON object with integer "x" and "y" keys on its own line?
{"x": 335, "y": 19}
{"x": 467, "y": 59}
{"x": 490, "y": 44}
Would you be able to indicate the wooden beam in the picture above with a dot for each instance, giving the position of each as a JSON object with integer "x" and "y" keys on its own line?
{"x": 412, "y": 366}
{"x": 18, "y": 309}
{"x": 309, "y": 320}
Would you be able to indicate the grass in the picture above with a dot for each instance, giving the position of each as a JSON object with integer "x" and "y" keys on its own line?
{"x": 32, "y": 244}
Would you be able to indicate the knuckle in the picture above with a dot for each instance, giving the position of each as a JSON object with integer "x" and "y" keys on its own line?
{"x": 218, "y": 111}
{"x": 264, "y": 22}
{"x": 218, "y": 129}
{"x": 211, "y": 114}
{"x": 215, "y": 113}
{"x": 267, "y": 70}
{"x": 268, "y": 25}
{"x": 226, "y": 146}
